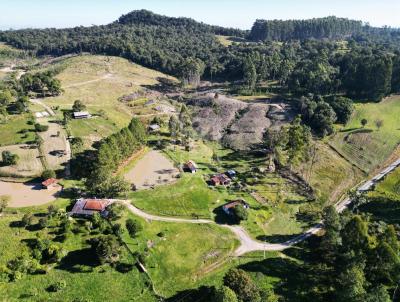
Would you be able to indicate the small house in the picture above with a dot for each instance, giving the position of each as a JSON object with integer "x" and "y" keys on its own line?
{"x": 190, "y": 166}
{"x": 228, "y": 208}
{"x": 81, "y": 115}
{"x": 220, "y": 180}
{"x": 154, "y": 128}
{"x": 50, "y": 183}
{"x": 231, "y": 174}
{"x": 88, "y": 207}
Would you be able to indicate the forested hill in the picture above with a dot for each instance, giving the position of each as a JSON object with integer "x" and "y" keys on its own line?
{"x": 148, "y": 39}
{"x": 145, "y": 17}
{"x": 317, "y": 28}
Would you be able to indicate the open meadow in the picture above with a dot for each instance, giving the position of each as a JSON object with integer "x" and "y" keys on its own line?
{"x": 370, "y": 146}
{"x": 99, "y": 82}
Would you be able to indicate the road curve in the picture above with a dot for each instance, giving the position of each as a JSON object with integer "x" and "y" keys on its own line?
{"x": 248, "y": 244}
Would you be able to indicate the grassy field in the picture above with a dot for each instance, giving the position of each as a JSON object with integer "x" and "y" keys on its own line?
{"x": 16, "y": 130}
{"x": 389, "y": 188}
{"x": 28, "y": 165}
{"x": 184, "y": 256}
{"x": 329, "y": 173}
{"x": 99, "y": 81}
{"x": 369, "y": 147}
{"x": 188, "y": 197}
{"x": 275, "y": 216}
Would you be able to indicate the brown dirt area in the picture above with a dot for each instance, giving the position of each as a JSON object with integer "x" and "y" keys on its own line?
{"x": 29, "y": 163}
{"x": 27, "y": 194}
{"x": 151, "y": 170}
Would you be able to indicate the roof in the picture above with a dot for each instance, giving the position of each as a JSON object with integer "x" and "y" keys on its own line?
{"x": 49, "y": 182}
{"x": 234, "y": 203}
{"x": 191, "y": 165}
{"x": 95, "y": 204}
{"x": 154, "y": 127}
{"x": 81, "y": 113}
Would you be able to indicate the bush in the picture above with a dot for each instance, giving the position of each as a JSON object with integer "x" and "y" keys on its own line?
{"x": 41, "y": 128}
{"x": 240, "y": 213}
{"x": 133, "y": 227}
{"x": 27, "y": 219}
{"x": 9, "y": 158}
{"x": 48, "y": 174}
{"x": 59, "y": 285}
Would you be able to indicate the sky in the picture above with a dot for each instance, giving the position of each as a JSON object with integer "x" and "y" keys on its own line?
{"x": 233, "y": 13}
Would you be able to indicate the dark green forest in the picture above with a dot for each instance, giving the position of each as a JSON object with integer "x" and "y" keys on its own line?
{"x": 318, "y": 59}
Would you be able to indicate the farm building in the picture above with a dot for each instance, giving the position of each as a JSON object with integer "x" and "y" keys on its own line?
{"x": 190, "y": 166}
{"x": 87, "y": 207}
{"x": 154, "y": 128}
{"x": 50, "y": 183}
{"x": 81, "y": 115}
{"x": 220, "y": 180}
{"x": 231, "y": 205}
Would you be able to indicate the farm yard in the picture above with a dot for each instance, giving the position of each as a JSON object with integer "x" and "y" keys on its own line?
{"x": 27, "y": 194}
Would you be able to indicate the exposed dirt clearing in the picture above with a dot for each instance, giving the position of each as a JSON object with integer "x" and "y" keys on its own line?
{"x": 26, "y": 195}
{"x": 249, "y": 128}
{"x": 152, "y": 170}
{"x": 55, "y": 146}
{"x": 29, "y": 163}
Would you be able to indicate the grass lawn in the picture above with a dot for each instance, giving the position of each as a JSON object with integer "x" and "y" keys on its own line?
{"x": 185, "y": 256}
{"x": 370, "y": 147}
{"x": 189, "y": 196}
{"x": 11, "y": 131}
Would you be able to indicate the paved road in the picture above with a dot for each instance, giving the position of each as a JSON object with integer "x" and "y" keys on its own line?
{"x": 248, "y": 244}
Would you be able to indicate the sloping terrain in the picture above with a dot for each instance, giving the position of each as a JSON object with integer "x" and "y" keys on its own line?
{"x": 369, "y": 147}
{"x": 238, "y": 125}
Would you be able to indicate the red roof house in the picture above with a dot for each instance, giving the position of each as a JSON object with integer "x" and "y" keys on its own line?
{"x": 49, "y": 183}
{"x": 220, "y": 179}
{"x": 87, "y": 207}
{"x": 231, "y": 205}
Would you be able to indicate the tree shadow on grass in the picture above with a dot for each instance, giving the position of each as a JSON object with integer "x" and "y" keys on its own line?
{"x": 79, "y": 261}
{"x": 222, "y": 218}
{"x": 276, "y": 238}
{"x": 201, "y": 294}
{"x": 294, "y": 278}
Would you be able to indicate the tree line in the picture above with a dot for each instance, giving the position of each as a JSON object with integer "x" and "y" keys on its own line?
{"x": 99, "y": 166}
{"x": 317, "y": 28}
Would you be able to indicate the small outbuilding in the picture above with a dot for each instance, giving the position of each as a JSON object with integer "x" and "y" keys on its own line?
{"x": 228, "y": 208}
{"x": 81, "y": 115}
{"x": 50, "y": 183}
{"x": 154, "y": 128}
{"x": 220, "y": 180}
{"x": 190, "y": 166}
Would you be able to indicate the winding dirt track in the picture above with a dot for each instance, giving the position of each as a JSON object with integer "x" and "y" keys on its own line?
{"x": 248, "y": 244}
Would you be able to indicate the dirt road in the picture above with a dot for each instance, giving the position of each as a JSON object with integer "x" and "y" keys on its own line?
{"x": 248, "y": 244}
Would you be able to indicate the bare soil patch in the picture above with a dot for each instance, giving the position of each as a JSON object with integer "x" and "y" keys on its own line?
{"x": 27, "y": 194}
{"x": 55, "y": 147}
{"x": 153, "y": 169}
